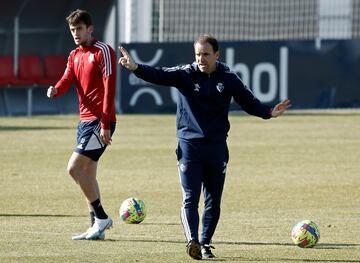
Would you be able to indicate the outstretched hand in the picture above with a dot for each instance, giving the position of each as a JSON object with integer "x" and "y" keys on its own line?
{"x": 126, "y": 60}
{"x": 280, "y": 108}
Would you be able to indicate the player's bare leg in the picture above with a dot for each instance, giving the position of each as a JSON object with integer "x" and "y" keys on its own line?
{"x": 83, "y": 170}
{"x": 78, "y": 167}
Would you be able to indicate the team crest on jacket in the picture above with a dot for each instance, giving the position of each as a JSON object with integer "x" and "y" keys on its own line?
{"x": 91, "y": 58}
{"x": 220, "y": 87}
{"x": 197, "y": 87}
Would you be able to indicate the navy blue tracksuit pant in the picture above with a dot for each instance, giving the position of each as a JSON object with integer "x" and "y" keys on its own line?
{"x": 202, "y": 165}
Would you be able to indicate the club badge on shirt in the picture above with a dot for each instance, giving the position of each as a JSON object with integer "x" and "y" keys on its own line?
{"x": 197, "y": 87}
{"x": 220, "y": 87}
{"x": 91, "y": 58}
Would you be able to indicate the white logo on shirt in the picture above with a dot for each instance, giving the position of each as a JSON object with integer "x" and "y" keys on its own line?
{"x": 76, "y": 60}
{"x": 91, "y": 58}
{"x": 197, "y": 87}
{"x": 220, "y": 87}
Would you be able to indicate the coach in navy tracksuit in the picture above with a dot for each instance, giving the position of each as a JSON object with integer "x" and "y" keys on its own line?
{"x": 206, "y": 88}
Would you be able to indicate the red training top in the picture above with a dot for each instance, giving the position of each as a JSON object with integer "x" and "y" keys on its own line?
{"x": 93, "y": 69}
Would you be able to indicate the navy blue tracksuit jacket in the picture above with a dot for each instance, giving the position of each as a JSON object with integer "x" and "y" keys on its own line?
{"x": 202, "y": 127}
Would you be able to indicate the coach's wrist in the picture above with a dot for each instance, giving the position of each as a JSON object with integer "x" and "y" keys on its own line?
{"x": 134, "y": 67}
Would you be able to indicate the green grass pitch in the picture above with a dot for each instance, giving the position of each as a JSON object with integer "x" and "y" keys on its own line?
{"x": 298, "y": 166}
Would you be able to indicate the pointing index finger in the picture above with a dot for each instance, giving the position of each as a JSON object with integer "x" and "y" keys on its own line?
{"x": 124, "y": 52}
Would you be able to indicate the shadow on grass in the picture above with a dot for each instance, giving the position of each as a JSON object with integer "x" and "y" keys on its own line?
{"x": 165, "y": 224}
{"x": 36, "y": 215}
{"x": 247, "y": 259}
{"x": 32, "y": 128}
{"x": 239, "y": 259}
{"x": 243, "y": 243}
{"x": 336, "y": 246}
{"x": 318, "y": 246}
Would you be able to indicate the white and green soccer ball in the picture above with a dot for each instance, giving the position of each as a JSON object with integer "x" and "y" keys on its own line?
{"x": 305, "y": 234}
{"x": 132, "y": 211}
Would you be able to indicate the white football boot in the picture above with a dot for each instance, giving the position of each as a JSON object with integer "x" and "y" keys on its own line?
{"x": 83, "y": 236}
{"x": 98, "y": 228}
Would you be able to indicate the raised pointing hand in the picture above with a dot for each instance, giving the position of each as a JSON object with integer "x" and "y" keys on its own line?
{"x": 126, "y": 60}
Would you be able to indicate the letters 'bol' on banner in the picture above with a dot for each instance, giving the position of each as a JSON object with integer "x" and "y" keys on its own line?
{"x": 273, "y": 70}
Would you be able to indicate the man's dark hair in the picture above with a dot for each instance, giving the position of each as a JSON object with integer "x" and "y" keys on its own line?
{"x": 208, "y": 39}
{"x": 79, "y": 16}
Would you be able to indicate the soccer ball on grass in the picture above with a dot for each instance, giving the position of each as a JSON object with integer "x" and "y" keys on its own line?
{"x": 305, "y": 234}
{"x": 132, "y": 211}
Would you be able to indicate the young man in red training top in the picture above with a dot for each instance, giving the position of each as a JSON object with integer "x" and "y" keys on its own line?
{"x": 92, "y": 67}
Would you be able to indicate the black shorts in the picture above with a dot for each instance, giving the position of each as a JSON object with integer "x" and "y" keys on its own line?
{"x": 88, "y": 140}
